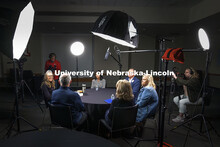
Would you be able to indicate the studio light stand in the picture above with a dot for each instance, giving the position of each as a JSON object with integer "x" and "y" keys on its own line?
{"x": 23, "y": 83}
{"x": 17, "y": 116}
{"x": 14, "y": 39}
{"x": 201, "y": 115}
{"x": 77, "y": 49}
{"x": 173, "y": 88}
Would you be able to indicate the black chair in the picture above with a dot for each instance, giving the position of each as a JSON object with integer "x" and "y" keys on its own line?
{"x": 61, "y": 116}
{"x": 140, "y": 132}
{"x": 124, "y": 118}
{"x": 47, "y": 103}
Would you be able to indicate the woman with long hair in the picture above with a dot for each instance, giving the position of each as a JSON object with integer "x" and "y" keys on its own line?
{"x": 147, "y": 100}
{"x": 98, "y": 82}
{"x": 124, "y": 98}
{"x": 47, "y": 86}
{"x": 191, "y": 87}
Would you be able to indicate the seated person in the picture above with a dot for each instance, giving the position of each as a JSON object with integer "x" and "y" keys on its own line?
{"x": 191, "y": 86}
{"x": 98, "y": 82}
{"x": 135, "y": 83}
{"x": 147, "y": 100}
{"x": 47, "y": 86}
{"x": 124, "y": 98}
{"x": 65, "y": 96}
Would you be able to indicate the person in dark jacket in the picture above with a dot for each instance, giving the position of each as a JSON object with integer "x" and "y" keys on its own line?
{"x": 66, "y": 97}
{"x": 191, "y": 86}
{"x": 124, "y": 98}
{"x": 135, "y": 83}
{"x": 47, "y": 86}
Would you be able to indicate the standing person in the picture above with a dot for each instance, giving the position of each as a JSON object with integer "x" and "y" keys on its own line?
{"x": 135, "y": 83}
{"x": 191, "y": 86}
{"x": 98, "y": 82}
{"x": 47, "y": 86}
{"x": 53, "y": 64}
{"x": 66, "y": 97}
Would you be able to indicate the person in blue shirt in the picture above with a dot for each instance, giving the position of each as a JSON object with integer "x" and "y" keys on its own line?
{"x": 147, "y": 100}
{"x": 65, "y": 96}
{"x": 135, "y": 83}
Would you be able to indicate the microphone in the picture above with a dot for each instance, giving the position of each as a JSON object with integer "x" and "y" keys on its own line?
{"x": 117, "y": 50}
{"x": 107, "y": 54}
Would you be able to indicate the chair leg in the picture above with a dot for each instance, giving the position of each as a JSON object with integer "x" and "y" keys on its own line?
{"x": 155, "y": 122}
{"x": 99, "y": 128}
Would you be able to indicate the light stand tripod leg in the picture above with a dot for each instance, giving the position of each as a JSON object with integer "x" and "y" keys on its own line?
{"x": 32, "y": 94}
{"x": 35, "y": 128}
{"x": 189, "y": 128}
{"x": 207, "y": 131}
{"x": 212, "y": 127}
{"x": 17, "y": 115}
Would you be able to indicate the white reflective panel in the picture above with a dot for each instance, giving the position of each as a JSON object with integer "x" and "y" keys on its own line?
{"x": 77, "y": 48}
{"x": 113, "y": 39}
{"x": 132, "y": 29}
{"x": 23, "y": 31}
{"x": 203, "y": 39}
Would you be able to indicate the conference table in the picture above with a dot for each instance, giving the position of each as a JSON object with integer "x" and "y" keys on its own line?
{"x": 96, "y": 106}
{"x": 57, "y": 138}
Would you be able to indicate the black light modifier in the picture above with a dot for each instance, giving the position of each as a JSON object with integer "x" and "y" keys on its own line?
{"x": 117, "y": 27}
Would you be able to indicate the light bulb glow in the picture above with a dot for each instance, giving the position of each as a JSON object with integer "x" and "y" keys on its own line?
{"x": 77, "y": 48}
{"x": 203, "y": 39}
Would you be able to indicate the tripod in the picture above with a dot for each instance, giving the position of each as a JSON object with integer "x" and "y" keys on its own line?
{"x": 17, "y": 115}
{"x": 23, "y": 83}
{"x": 201, "y": 115}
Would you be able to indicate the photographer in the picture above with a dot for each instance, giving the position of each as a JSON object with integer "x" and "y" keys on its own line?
{"x": 191, "y": 86}
{"x": 52, "y": 64}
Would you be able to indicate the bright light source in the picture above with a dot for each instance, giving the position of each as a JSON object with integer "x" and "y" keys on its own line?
{"x": 203, "y": 39}
{"x": 23, "y": 31}
{"x": 77, "y": 48}
{"x": 113, "y": 39}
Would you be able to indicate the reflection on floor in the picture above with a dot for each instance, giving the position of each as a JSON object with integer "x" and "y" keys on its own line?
{"x": 30, "y": 111}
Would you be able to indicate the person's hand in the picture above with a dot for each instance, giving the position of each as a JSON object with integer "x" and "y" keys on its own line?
{"x": 174, "y": 76}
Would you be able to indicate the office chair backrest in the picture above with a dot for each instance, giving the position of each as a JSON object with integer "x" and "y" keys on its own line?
{"x": 61, "y": 115}
{"x": 124, "y": 117}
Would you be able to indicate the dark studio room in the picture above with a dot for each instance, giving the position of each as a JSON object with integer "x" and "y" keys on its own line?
{"x": 109, "y": 73}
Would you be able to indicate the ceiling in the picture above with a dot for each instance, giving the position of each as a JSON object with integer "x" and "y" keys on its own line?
{"x": 154, "y": 29}
{"x": 133, "y": 3}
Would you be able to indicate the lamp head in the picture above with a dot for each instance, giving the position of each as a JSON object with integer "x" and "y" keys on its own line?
{"x": 203, "y": 39}
{"x": 23, "y": 31}
{"x": 117, "y": 27}
{"x": 15, "y": 29}
{"x": 77, "y": 48}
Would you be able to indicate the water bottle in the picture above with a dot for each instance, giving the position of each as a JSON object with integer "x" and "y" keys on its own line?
{"x": 97, "y": 88}
{"x": 112, "y": 97}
